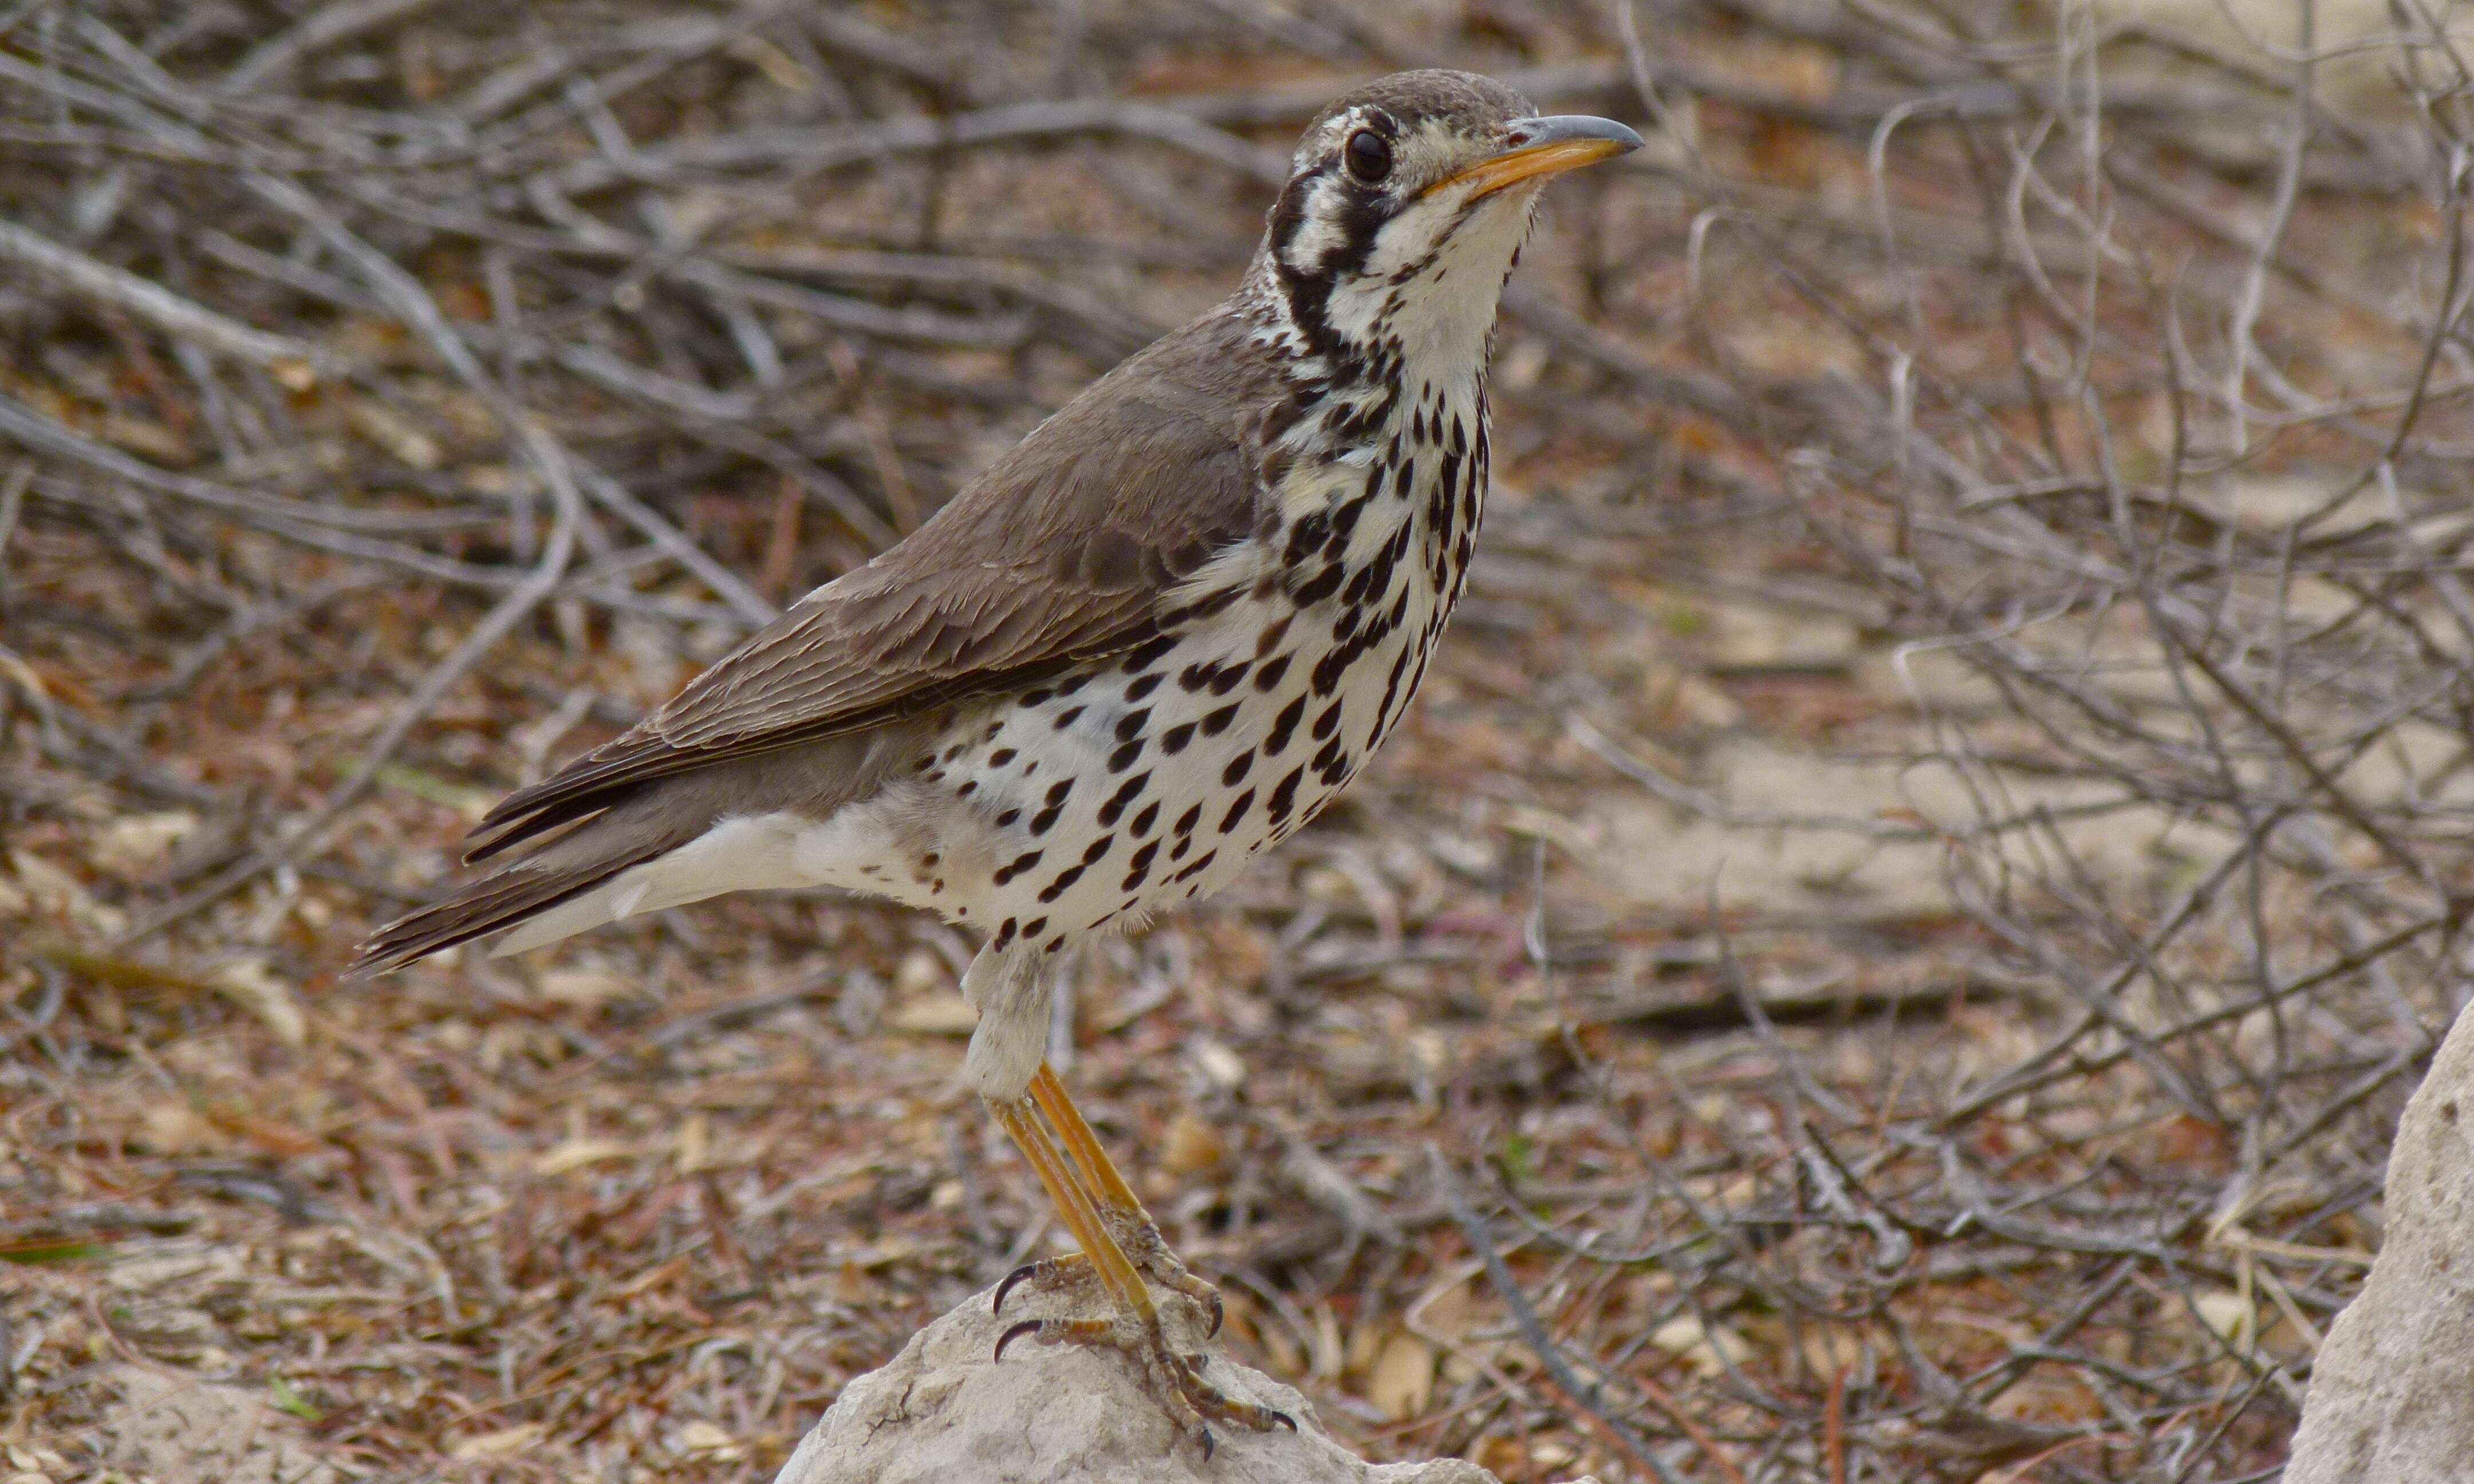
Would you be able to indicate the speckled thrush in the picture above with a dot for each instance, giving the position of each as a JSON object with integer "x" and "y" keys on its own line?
{"x": 1146, "y": 644}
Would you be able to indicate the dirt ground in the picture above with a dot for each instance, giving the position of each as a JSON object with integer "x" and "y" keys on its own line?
{"x": 1640, "y": 1072}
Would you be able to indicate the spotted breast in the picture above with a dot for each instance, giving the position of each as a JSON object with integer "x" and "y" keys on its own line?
{"x": 1117, "y": 789}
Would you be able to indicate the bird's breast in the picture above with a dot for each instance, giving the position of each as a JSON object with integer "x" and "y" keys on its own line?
{"x": 1155, "y": 777}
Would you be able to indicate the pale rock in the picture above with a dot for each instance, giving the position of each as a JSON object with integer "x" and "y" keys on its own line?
{"x": 942, "y": 1412}
{"x": 2391, "y": 1396}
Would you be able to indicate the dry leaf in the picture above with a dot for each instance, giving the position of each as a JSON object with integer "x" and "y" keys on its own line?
{"x": 135, "y": 844}
{"x": 384, "y": 426}
{"x": 703, "y": 1437}
{"x": 1706, "y": 1349}
{"x": 498, "y": 1444}
{"x": 1193, "y": 1146}
{"x": 248, "y": 983}
{"x": 575, "y": 1154}
{"x": 2228, "y": 1313}
{"x": 586, "y": 989}
{"x": 175, "y": 1128}
{"x": 61, "y": 894}
{"x": 694, "y": 1143}
{"x": 1403, "y": 1381}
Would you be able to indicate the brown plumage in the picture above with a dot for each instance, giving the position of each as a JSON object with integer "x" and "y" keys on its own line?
{"x": 1145, "y": 645}
{"x": 1066, "y": 550}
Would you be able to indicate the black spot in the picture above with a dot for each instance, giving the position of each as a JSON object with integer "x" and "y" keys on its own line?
{"x": 1064, "y": 878}
{"x": 969, "y": 786}
{"x": 1237, "y": 811}
{"x": 1092, "y": 853}
{"x": 1328, "y": 722}
{"x": 1305, "y": 536}
{"x": 1052, "y": 944}
{"x": 1034, "y": 927}
{"x": 1173, "y": 741}
{"x": 1200, "y": 864}
{"x": 1039, "y": 824}
{"x": 1149, "y": 653}
{"x": 1195, "y": 676}
{"x": 1284, "y": 799}
{"x": 1238, "y": 767}
{"x": 1268, "y": 678}
{"x": 1230, "y": 677}
{"x": 1066, "y": 717}
{"x": 1006, "y": 819}
{"x": 1127, "y": 793}
{"x": 1322, "y": 585}
{"x": 1143, "y": 822}
{"x": 1270, "y": 638}
{"x": 1186, "y": 822}
{"x": 1343, "y": 524}
{"x": 1000, "y": 756}
{"x": 1144, "y": 687}
{"x": 1058, "y": 791}
{"x": 1139, "y": 868}
{"x": 1123, "y": 758}
{"x": 1072, "y": 683}
{"x": 1283, "y": 727}
{"x": 1037, "y": 697}
{"x": 1015, "y": 866}
{"x": 1217, "y": 721}
{"x": 1130, "y": 725}
{"x": 1004, "y": 935}
{"x": 1327, "y": 673}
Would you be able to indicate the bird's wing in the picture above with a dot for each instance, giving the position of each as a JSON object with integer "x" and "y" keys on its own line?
{"x": 1069, "y": 547}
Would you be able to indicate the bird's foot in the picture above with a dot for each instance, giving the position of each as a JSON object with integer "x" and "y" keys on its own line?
{"x": 1140, "y": 1242}
{"x": 1175, "y": 1381}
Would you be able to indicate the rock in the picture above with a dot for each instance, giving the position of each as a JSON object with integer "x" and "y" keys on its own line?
{"x": 2391, "y": 1396}
{"x": 943, "y": 1413}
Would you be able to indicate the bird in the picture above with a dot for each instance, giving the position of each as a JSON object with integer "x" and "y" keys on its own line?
{"x": 1145, "y": 645}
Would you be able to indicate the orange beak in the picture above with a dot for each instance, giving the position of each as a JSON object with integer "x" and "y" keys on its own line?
{"x": 1543, "y": 147}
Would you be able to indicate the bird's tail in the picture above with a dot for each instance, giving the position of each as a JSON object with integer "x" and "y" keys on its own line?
{"x": 532, "y": 892}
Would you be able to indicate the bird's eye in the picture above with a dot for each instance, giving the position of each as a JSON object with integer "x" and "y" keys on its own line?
{"x": 1369, "y": 158}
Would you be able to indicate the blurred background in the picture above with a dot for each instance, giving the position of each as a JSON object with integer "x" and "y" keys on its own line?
{"x": 1889, "y": 948}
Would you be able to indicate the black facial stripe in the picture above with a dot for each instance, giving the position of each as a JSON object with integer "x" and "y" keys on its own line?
{"x": 1363, "y": 212}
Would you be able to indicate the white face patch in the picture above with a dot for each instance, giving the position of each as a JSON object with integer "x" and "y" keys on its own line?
{"x": 1434, "y": 267}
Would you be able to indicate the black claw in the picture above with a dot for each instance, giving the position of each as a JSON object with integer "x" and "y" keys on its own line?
{"x": 1008, "y": 1286}
{"x": 1285, "y": 1421}
{"x": 1016, "y": 1332}
{"x": 1215, "y": 1316}
{"x": 1206, "y": 1445}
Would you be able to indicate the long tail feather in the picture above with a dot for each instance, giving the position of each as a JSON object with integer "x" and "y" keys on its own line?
{"x": 489, "y": 905}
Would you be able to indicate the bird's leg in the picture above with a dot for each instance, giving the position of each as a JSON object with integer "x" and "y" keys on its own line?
{"x": 1175, "y": 1379}
{"x": 1119, "y": 1209}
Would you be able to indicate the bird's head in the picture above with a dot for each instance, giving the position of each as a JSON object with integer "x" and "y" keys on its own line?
{"x": 1406, "y": 204}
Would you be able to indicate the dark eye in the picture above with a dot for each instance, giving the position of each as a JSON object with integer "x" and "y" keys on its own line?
{"x": 1369, "y": 158}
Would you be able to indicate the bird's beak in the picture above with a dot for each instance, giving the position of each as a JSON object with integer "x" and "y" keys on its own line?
{"x": 1543, "y": 147}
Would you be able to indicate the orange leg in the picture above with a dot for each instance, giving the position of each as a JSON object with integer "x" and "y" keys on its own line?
{"x": 1119, "y": 1207}
{"x": 1098, "y": 1207}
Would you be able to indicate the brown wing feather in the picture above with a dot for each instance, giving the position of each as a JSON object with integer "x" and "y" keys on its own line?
{"x": 1064, "y": 550}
